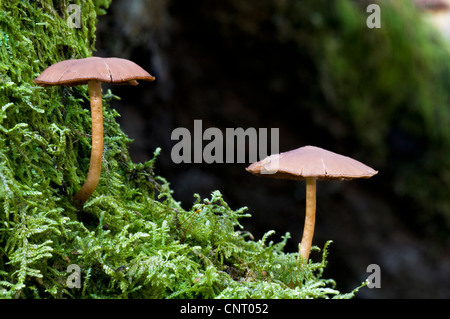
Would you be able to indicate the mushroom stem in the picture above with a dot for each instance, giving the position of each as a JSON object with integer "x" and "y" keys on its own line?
{"x": 310, "y": 218}
{"x": 95, "y": 166}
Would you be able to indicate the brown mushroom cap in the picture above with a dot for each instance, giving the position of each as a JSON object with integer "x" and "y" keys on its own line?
{"x": 80, "y": 71}
{"x": 310, "y": 161}
{"x": 433, "y": 5}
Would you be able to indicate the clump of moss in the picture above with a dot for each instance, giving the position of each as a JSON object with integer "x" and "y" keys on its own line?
{"x": 132, "y": 239}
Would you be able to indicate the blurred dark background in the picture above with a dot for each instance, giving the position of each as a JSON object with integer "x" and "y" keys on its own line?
{"x": 314, "y": 70}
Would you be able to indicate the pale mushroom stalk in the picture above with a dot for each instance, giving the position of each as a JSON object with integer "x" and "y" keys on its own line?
{"x": 95, "y": 166}
{"x": 310, "y": 218}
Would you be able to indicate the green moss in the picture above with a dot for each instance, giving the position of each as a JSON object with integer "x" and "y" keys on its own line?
{"x": 132, "y": 239}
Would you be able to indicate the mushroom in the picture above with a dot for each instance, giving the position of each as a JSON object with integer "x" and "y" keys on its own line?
{"x": 310, "y": 163}
{"x": 432, "y": 5}
{"x": 92, "y": 71}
